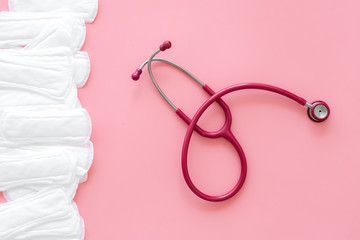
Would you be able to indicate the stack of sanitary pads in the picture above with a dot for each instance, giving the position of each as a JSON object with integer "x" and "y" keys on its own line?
{"x": 45, "y": 147}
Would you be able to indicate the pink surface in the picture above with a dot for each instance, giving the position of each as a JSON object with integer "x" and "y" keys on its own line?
{"x": 303, "y": 177}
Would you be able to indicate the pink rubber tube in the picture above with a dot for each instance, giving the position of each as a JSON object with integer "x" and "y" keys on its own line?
{"x": 226, "y": 133}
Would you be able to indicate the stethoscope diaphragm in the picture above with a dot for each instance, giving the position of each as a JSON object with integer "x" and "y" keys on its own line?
{"x": 319, "y": 111}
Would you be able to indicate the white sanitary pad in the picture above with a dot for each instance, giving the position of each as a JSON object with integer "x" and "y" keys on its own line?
{"x": 85, "y": 9}
{"x": 44, "y": 127}
{"x": 48, "y": 215}
{"x": 20, "y": 29}
{"x": 38, "y": 78}
{"x": 29, "y": 170}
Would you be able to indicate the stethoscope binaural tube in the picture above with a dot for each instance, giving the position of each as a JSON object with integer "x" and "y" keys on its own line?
{"x": 318, "y": 111}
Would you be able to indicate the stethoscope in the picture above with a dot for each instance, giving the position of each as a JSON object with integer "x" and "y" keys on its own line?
{"x": 318, "y": 111}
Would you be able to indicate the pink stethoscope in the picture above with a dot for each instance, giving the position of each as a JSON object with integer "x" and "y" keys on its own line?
{"x": 318, "y": 111}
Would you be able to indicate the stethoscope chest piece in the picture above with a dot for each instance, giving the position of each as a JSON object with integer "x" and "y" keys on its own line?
{"x": 319, "y": 111}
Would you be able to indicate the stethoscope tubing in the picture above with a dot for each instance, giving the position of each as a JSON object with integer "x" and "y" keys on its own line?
{"x": 226, "y": 133}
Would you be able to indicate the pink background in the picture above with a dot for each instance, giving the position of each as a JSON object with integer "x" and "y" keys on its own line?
{"x": 303, "y": 178}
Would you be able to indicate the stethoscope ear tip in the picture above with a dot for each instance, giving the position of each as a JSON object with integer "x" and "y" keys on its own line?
{"x": 136, "y": 75}
{"x": 319, "y": 111}
{"x": 166, "y": 45}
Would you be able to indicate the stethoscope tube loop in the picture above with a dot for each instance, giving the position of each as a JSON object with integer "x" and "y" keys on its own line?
{"x": 226, "y": 133}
